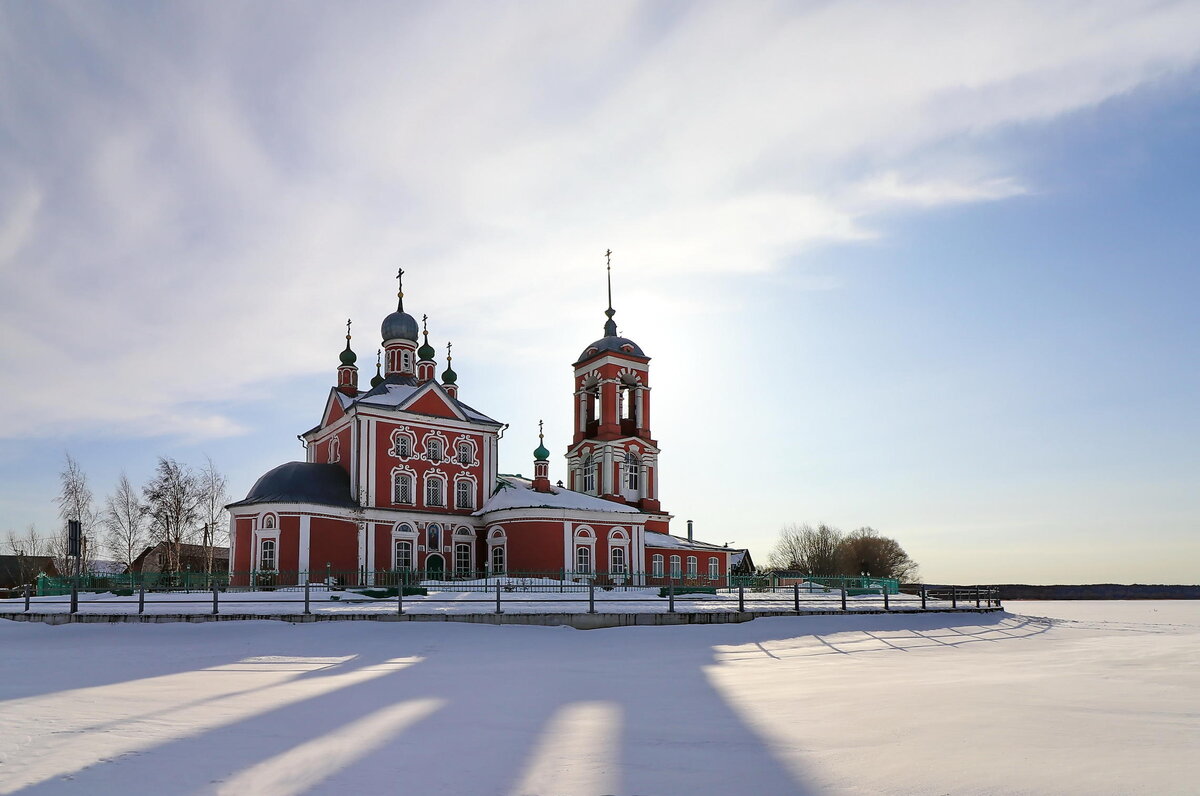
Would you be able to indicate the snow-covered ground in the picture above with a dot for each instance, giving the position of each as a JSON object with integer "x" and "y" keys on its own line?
{"x": 544, "y": 599}
{"x": 1086, "y": 698}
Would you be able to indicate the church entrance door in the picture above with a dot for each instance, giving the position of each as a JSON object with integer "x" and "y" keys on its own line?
{"x": 435, "y": 567}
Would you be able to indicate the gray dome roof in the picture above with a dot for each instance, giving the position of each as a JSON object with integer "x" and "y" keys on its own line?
{"x": 399, "y": 326}
{"x": 611, "y": 343}
{"x": 302, "y": 482}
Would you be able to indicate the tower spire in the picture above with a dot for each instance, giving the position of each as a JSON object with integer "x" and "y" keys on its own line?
{"x": 347, "y": 372}
{"x": 400, "y": 290}
{"x": 377, "y": 379}
{"x": 610, "y": 326}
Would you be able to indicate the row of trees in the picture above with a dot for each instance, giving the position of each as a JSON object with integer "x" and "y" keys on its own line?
{"x": 828, "y": 551}
{"x": 179, "y": 505}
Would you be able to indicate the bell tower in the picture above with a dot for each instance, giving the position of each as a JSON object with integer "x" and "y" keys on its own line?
{"x": 613, "y": 453}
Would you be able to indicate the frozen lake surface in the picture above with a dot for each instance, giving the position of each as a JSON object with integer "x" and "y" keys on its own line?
{"x": 1050, "y": 697}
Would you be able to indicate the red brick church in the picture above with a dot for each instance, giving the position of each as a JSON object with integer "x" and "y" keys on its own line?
{"x": 402, "y": 477}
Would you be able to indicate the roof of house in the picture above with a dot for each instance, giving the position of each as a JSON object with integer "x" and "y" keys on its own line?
{"x": 394, "y": 392}
{"x": 11, "y": 567}
{"x": 302, "y": 482}
{"x": 517, "y": 492}
{"x": 656, "y": 539}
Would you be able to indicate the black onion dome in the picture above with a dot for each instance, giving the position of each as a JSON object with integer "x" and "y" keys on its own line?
{"x": 621, "y": 345}
{"x": 302, "y": 482}
{"x": 399, "y": 326}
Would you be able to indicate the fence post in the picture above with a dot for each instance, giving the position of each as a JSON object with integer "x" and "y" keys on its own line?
{"x": 142, "y": 597}
{"x": 953, "y": 596}
{"x": 306, "y": 609}
{"x": 591, "y": 598}
{"x": 843, "y": 594}
{"x": 400, "y": 599}
{"x": 74, "y": 598}
{"x": 796, "y": 596}
{"x": 742, "y": 599}
{"x": 215, "y": 601}
{"x": 976, "y": 596}
{"x": 27, "y": 597}
{"x": 498, "y": 598}
{"x": 671, "y": 596}
{"x": 922, "y": 598}
{"x": 886, "y": 607}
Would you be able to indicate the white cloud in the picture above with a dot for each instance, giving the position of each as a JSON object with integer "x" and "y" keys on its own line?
{"x": 203, "y": 196}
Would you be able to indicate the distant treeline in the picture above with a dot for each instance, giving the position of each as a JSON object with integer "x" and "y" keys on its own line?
{"x": 1099, "y": 591}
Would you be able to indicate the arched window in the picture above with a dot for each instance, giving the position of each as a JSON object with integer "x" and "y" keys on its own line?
{"x": 633, "y": 472}
{"x": 433, "y": 449}
{"x": 465, "y": 455}
{"x": 269, "y": 522}
{"x": 335, "y": 452}
{"x": 691, "y": 570}
{"x": 462, "y": 560}
{"x": 656, "y": 565}
{"x": 583, "y": 560}
{"x": 676, "y": 572}
{"x": 402, "y": 487}
{"x": 402, "y": 444}
{"x": 463, "y": 494}
{"x": 403, "y": 554}
{"x": 714, "y": 568}
{"x": 435, "y": 490}
{"x": 266, "y": 555}
{"x": 589, "y": 476}
{"x": 498, "y": 559}
{"x": 617, "y": 563}
{"x": 434, "y": 534}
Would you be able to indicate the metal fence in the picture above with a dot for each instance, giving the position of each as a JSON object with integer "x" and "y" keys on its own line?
{"x": 561, "y": 579}
{"x": 775, "y": 600}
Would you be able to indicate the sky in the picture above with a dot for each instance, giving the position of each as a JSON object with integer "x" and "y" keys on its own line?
{"x": 925, "y": 267}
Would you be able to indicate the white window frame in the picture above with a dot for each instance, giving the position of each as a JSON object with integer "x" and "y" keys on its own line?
{"x": 618, "y": 567}
{"x": 587, "y": 476}
{"x": 656, "y": 565}
{"x": 409, "y": 437}
{"x": 263, "y": 541}
{"x": 470, "y": 566}
{"x": 470, "y": 501}
{"x": 472, "y": 452}
{"x": 676, "y": 567}
{"x": 693, "y": 567}
{"x": 440, "y": 439}
{"x": 497, "y": 539}
{"x": 412, "y": 486}
{"x": 431, "y": 477}
{"x": 714, "y": 568}
{"x": 335, "y": 450}
{"x": 412, "y": 553}
{"x": 633, "y": 473}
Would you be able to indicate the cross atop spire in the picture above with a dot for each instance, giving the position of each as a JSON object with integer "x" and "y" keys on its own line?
{"x": 400, "y": 290}
{"x": 610, "y": 326}
{"x": 425, "y": 324}
{"x": 540, "y": 435}
{"x": 347, "y": 331}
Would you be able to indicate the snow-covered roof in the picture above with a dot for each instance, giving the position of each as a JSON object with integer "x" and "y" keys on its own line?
{"x": 656, "y": 539}
{"x": 516, "y": 492}
{"x": 391, "y": 395}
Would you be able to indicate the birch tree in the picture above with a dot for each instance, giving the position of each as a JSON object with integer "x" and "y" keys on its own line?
{"x": 74, "y": 503}
{"x": 124, "y": 522}
{"x": 173, "y": 508}
{"x": 213, "y": 491}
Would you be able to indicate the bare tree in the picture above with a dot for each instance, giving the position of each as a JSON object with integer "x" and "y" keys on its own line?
{"x": 28, "y": 550}
{"x": 124, "y": 521}
{"x": 865, "y": 552}
{"x": 173, "y": 508}
{"x": 74, "y": 503}
{"x": 803, "y": 548}
{"x": 214, "y": 494}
